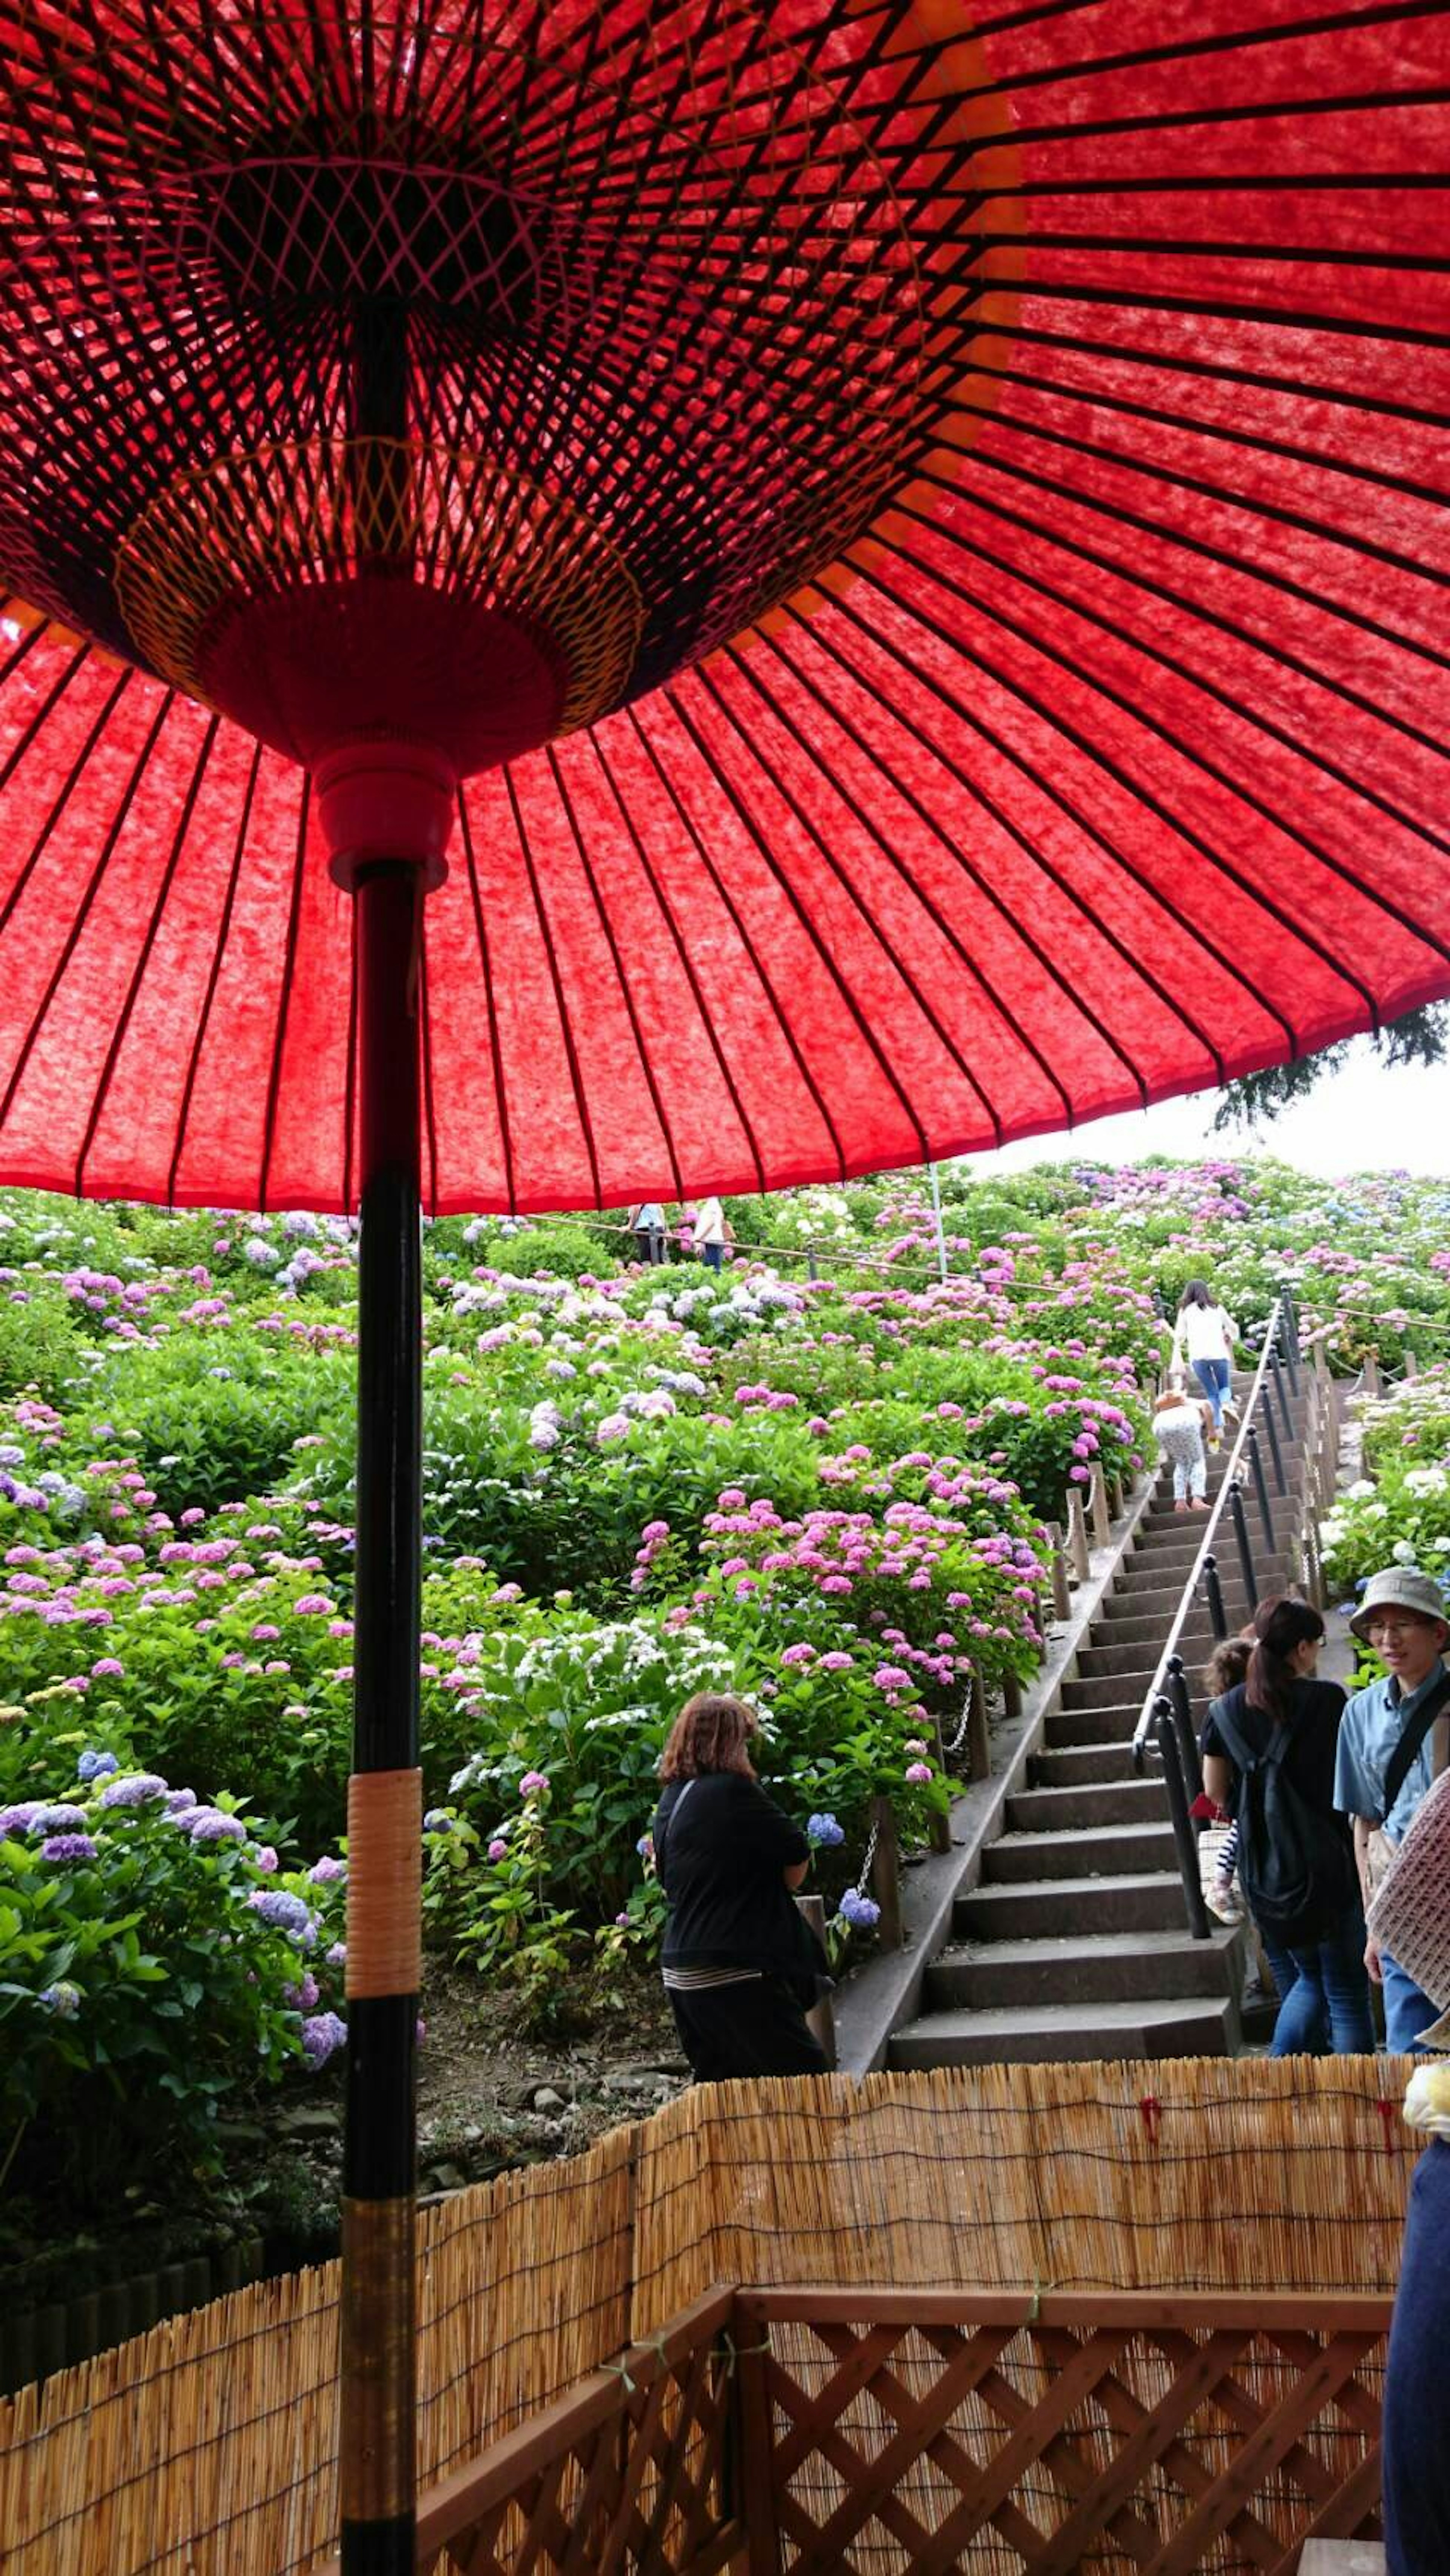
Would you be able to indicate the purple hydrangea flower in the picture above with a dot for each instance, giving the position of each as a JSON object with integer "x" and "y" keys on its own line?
{"x": 498, "y": 1849}
{"x": 322, "y": 2036}
{"x": 19, "y": 1819}
{"x": 324, "y": 1871}
{"x": 285, "y": 1912}
{"x": 68, "y": 1847}
{"x": 133, "y": 1789}
{"x": 824, "y": 1831}
{"x": 439, "y": 1821}
{"x": 212, "y": 1825}
{"x": 302, "y": 1998}
{"x": 179, "y": 1801}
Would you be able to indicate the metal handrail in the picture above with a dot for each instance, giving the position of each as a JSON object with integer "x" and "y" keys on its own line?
{"x": 1276, "y": 1334}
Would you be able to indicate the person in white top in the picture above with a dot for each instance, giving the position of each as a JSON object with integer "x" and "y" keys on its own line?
{"x": 1203, "y": 1340}
{"x": 708, "y": 1233}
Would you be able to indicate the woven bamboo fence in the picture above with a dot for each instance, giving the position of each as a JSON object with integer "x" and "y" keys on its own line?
{"x": 210, "y": 2443}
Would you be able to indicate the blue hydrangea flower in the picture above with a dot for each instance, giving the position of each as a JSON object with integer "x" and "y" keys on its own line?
{"x": 439, "y": 1821}
{"x": 824, "y": 1831}
{"x": 64, "y": 2000}
{"x": 133, "y": 1789}
{"x": 285, "y": 1912}
{"x": 58, "y": 1820}
{"x": 96, "y": 1766}
{"x": 861, "y": 1912}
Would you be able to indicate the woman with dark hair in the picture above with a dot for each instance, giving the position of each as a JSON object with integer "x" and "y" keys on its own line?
{"x": 1268, "y": 1758}
{"x": 740, "y": 1964}
{"x": 1203, "y": 1340}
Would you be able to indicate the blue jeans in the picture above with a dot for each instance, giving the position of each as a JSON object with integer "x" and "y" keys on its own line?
{"x": 1324, "y": 1992}
{"x": 1417, "y": 2386}
{"x": 713, "y": 1255}
{"x": 1407, "y": 2011}
{"x": 1213, "y": 1377}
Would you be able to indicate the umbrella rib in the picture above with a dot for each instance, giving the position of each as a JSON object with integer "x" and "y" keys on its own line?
{"x": 1418, "y": 263}
{"x": 566, "y": 1030}
{"x": 1207, "y": 120}
{"x": 1236, "y": 40}
{"x": 1265, "y": 724}
{"x": 92, "y": 888}
{"x": 767, "y": 987}
{"x": 1154, "y": 803}
{"x": 62, "y": 798}
{"x": 214, "y": 977}
{"x": 962, "y": 708}
{"x": 138, "y": 971}
{"x": 425, "y": 1043}
{"x": 1166, "y": 733}
{"x": 1168, "y": 535}
{"x": 349, "y": 1085}
{"x": 1322, "y": 460}
{"x": 1212, "y": 371}
{"x": 1101, "y": 451}
{"x": 561, "y": 789}
{"x": 747, "y": 667}
{"x": 294, "y": 916}
{"x": 969, "y": 787}
{"x": 495, "y": 1050}
{"x": 751, "y": 676}
{"x": 682, "y": 952}
{"x": 1220, "y": 308}
{"x": 861, "y": 1017}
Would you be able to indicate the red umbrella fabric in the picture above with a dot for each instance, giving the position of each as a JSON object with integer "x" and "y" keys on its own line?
{"x": 940, "y": 527}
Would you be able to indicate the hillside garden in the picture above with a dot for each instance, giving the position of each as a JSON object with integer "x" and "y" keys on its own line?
{"x": 819, "y": 1477}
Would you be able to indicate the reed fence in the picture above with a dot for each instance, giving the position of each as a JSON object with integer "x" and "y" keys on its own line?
{"x": 210, "y": 2443}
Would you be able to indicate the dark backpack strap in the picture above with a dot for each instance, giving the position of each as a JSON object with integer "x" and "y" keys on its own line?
{"x": 1397, "y": 1770}
{"x": 1244, "y": 1756}
{"x": 665, "y": 1823}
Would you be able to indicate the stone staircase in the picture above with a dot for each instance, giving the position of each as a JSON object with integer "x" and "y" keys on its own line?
{"x": 1075, "y": 1942}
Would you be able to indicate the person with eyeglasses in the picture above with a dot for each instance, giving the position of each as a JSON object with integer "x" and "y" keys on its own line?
{"x": 1392, "y": 1743}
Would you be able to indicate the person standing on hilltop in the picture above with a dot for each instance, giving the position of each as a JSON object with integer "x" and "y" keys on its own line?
{"x": 1203, "y": 1340}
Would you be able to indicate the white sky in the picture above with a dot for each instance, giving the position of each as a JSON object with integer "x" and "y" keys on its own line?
{"x": 1364, "y": 1118}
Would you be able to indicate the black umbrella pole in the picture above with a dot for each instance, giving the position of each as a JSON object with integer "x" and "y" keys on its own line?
{"x": 384, "y": 1812}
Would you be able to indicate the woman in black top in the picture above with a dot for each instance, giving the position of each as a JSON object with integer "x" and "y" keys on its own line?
{"x": 739, "y": 1961}
{"x": 1268, "y": 1757}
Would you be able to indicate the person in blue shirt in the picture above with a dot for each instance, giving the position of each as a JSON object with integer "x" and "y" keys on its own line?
{"x": 1402, "y": 1616}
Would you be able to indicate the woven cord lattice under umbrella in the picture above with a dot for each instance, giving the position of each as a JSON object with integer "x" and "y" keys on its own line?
{"x": 883, "y": 565}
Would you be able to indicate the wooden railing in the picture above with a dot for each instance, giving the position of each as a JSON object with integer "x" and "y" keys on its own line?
{"x": 803, "y": 2432}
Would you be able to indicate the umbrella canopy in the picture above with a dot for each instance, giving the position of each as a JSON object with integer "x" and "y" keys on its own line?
{"x": 917, "y": 539}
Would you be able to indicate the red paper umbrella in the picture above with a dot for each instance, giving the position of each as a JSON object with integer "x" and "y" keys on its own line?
{"x": 884, "y": 562}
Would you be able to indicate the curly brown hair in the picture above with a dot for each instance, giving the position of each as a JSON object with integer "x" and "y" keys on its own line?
{"x": 711, "y": 1733}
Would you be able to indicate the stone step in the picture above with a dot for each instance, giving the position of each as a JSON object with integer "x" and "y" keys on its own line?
{"x": 1117, "y": 1967}
{"x": 1159, "y": 1601}
{"x": 1063, "y": 1766}
{"x": 1149, "y": 1628}
{"x": 1079, "y": 1808}
{"x": 1193, "y": 2027}
{"x": 1106, "y": 1851}
{"x": 1121, "y": 1657}
{"x": 1039, "y": 1909}
{"x": 1092, "y": 1725}
{"x": 1106, "y": 1690}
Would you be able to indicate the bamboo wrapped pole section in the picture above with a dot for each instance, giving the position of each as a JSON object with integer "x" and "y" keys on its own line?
{"x": 211, "y": 2443}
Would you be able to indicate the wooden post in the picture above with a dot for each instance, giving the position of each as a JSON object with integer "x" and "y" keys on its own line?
{"x": 979, "y": 1742}
{"x": 1115, "y": 1496}
{"x": 1099, "y": 1491}
{"x": 1077, "y": 1537}
{"x": 821, "y": 2019}
{"x": 757, "y": 2447}
{"x": 1061, "y": 1590}
{"x": 939, "y": 1831}
{"x": 1011, "y": 1694}
{"x": 1412, "y": 1365}
{"x": 1373, "y": 1383}
{"x": 886, "y": 1873}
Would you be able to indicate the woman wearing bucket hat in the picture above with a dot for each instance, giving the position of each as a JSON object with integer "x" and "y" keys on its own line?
{"x": 1392, "y": 1743}
{"x": 1411, "y": 1918}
